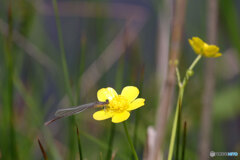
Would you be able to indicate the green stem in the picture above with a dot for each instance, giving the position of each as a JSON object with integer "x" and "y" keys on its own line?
{"x": 63, "y": 55}
{"x": 110, "y": 142}
{"x": 177, "y": 115}
{"x": 67, "y": 81}
{"x": 72, "y": 138}
{"x": 195, "y": 62}
{"x": 175, "y": 122}
{"x": 137, "y": 117}
{"x": 130, "y": 141}
{"x": 118, "y": 85}
{"x": 184, "y": 140}
{"x": 79, "y": 144}
{"x": 178, "y": 77}
{"x": 190, "y": 69}
{"x": 178, "y": 132}
{"x": 9, "y": 92}
{"x": 81, "y": 67}
{"x": 135, "y": 128}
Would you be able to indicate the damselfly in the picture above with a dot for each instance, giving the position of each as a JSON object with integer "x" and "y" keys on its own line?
{"x": 75, "y": 110}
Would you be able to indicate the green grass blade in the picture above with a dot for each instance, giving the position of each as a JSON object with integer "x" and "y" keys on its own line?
{"x": 130, "y": 141}
{"x": 175, "y": 123}
{"x": 63, "y": 55}
{"x": 110, "y": 142}
{"x": 137, "y": 117}
{"x": 178, "y": 132}
{"x": 79, "y": 144}
{"x": 67, "y": 82}
{"x": 184, "y": 140}
{"x": 9, "y": 58}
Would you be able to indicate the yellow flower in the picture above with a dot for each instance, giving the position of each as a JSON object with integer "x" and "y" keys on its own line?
{"x": 202, "y": 48}
{"x": 119, "y": 105}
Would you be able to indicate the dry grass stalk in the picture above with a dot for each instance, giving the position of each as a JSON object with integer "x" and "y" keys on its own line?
{"x": 42, "y": 149}
{"x": 164, "y": 23}
{"x": 209, "y": 81}
{"x": 168, "y": 87}
{"x": 111, "y": 54}
{"x": 163, "y": 39}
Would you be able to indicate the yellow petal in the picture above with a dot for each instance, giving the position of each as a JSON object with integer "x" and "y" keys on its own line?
{"x": 217, "y": 55}
{"x": 106, "y": 93}
{"x": 139, "y": 102}
{"x": 197, "y": 41}
{"x": 101, "y": 115}
{"x": 120, "y": 117}
{"x": 197, "y": 44}
{"x": 210, "y": 50}
{"x": 130, "y": 93}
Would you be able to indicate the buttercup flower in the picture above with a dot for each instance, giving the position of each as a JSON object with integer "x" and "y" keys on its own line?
{"x": 119, "y": 106}
{"x": 202, "y": 48}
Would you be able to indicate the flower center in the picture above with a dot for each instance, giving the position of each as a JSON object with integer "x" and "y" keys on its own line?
{"x": 118, "y": 104}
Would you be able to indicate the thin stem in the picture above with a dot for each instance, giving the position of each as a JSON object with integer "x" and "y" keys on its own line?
{"x": 136, "y": 124}
{"x": 63, "y": 55}
{"x": 178, "y": 131}
{"x": 195, "y": 62}
{"x": 67, "y": 81}
{"x": 118, "y": 85}
{"x": 79, "y": 144}
{"x": 130, "y": 141}
{"x": 167, "y": 90}
{"x": 175, "y": 122}
{"x": 72, "y": 138}
{"x": 81, "y": 67}
{"x": 178, "y": 77}
{"x": 110, "y": 142}
{"x": 45, "y": 157}
{"x": 177, "y": 116}
{"x": 187, "y": 76}
{"x": 184, "y": 140}
{"x": 137, "y": 117}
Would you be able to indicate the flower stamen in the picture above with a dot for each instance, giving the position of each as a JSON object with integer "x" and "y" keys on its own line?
{"x": 118, "y": 104}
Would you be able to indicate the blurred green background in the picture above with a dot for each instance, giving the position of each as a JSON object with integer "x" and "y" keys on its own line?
{"x": 32, "y": 83}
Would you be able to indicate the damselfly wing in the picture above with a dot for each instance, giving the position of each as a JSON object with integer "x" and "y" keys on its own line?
{"x": 75, "y": 110}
